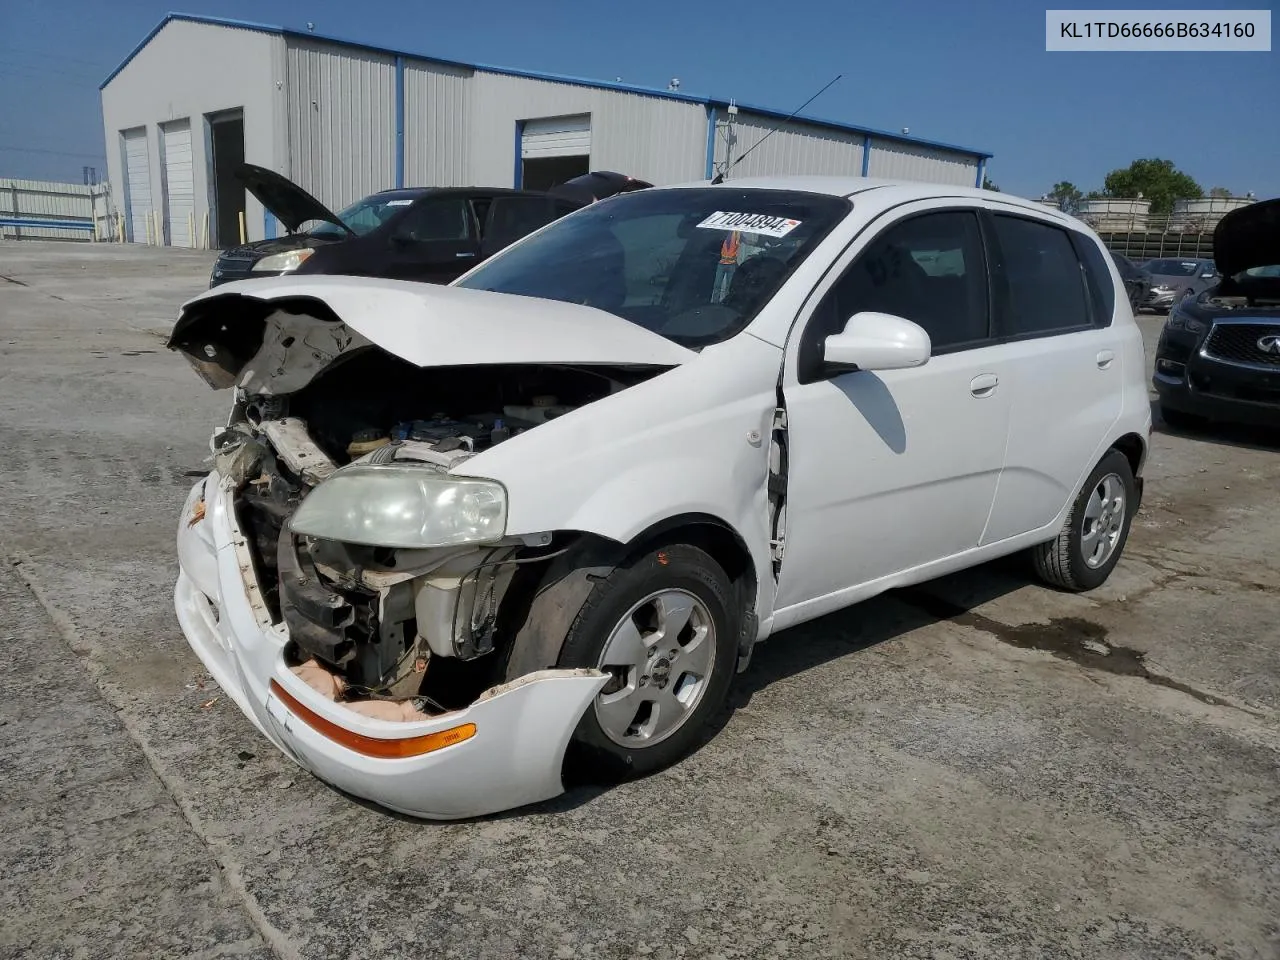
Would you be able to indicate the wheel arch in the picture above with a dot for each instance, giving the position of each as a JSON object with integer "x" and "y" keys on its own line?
{"x": 544, "y": 609}
{"x": 727, "y": 547}
{"x": 1134, "y": 449}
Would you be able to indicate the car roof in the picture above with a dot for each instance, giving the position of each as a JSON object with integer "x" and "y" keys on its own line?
{"x": 412, "y": 193}
{"x": 899, "y": 191}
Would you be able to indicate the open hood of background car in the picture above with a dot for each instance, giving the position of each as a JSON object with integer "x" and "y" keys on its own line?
{"x": 265, "y": 327}
{"x": 1248, "y": 237}
{"x": 290, "y": 204}
{"x": 597, "y": 185}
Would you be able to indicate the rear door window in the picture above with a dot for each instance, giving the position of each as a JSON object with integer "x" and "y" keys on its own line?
{"x": 443, "y": 218}
{"x": 1045, "y": 290}
{"x": 511, "y": 218}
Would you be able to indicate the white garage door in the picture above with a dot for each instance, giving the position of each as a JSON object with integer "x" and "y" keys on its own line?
{"x": 556, "y": 137}
{"x": 137, "y": 177}
{"x": 179, "y": 183}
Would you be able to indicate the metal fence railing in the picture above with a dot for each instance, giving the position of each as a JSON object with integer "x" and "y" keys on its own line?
{"x": 48, "y": 210}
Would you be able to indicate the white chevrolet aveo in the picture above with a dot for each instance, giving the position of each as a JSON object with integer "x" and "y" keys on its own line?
{"x": 461, "y": 542}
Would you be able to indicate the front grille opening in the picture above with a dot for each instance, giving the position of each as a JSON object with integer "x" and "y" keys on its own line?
{"x": 1244, "y": 343}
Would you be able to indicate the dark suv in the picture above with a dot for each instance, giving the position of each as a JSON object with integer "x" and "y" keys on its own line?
{"x": 429, "y": 234}
{"x": 1219, "y": 352}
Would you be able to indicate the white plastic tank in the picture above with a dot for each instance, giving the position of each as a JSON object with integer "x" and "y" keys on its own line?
{"x": 1201, "y": 216}
{"x": 1116, "y": 214}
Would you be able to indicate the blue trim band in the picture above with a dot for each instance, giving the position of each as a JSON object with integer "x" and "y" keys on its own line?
{"x": 399, "y": 121}
{"x": 533, "y": 75}
{"x": 45, "y": 224}
{"x": 711, "y": 141}
{"x": 982, "y": 173}
{"x": 866, "y": 154}
{"x": 268, "y": 225}
{"x": 517, "y": 178}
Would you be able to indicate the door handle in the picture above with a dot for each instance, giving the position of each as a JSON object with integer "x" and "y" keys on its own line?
{"x": 464, "y": 254}
{"x": 983, "y": 385}
{"x": 1104, "y": 359}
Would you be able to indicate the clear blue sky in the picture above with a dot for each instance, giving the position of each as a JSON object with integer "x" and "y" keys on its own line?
{"x": 974, "y": 74}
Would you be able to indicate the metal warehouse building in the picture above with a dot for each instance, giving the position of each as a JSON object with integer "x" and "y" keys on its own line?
{"x": 200, "y": 95}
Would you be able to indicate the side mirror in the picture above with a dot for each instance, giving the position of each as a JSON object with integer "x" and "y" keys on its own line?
{"x": 877, "y": 341}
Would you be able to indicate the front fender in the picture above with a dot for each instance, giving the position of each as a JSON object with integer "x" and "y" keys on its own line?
{"x": 693, "y": 440}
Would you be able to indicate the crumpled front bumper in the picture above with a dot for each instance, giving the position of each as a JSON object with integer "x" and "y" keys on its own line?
{"x": 512, "y": 757}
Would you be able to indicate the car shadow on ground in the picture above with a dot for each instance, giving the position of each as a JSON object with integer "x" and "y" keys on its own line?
{"x": 1221, "y": 434}
{"x": 806, "y": 647}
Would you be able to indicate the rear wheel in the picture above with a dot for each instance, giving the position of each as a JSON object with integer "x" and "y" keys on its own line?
{"x": 663, "y": 627}
{"x": 1089, "y": 546}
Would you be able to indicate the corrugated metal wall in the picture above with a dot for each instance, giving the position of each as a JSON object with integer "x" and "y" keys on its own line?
{"x": 905, "y": 161}
{"x": 79, "y": 205}
{"x": 796, "y": 148}
{"x": 662, "y": 141}
{"x": 192, "y": 70}
{"x": 437, "y": 125}
{"x": 342, "y": 124}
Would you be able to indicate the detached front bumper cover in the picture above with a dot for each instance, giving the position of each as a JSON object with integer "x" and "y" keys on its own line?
{"x": 504, "y": 751}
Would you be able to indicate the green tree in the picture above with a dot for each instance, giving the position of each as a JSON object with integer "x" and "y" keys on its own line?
{"x": 1156, "y": 180}
{"x": 1219, "y": 192}
{"x": 989, "y": 184}
{"x": 1067, "y": 195}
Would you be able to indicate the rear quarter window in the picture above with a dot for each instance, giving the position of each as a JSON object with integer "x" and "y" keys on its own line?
{"x": 1102, "y": 289}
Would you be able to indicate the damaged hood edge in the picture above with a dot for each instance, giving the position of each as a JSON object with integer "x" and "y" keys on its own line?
{"x": 424, "y": 324}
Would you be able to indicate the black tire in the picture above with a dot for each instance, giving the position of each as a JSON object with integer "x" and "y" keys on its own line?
{"x": 594, "y": 756}
{"x": 1061, "y": 562}
{"x": 1179, "y": 420}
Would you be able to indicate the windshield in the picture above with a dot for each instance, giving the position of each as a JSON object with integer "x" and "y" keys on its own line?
{"x": 692, "y": 265}
{"x": 364, "y": 216}
{"x": 1177, "y": 268}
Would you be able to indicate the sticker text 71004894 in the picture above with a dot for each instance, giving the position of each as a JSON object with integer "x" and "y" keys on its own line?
{"x": 761, "y": 223}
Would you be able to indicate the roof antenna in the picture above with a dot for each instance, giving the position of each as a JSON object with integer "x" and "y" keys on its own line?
{"x": 720, "y": 176}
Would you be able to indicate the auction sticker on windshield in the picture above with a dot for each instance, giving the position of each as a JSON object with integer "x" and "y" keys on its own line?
{"x": 761, "y": 223}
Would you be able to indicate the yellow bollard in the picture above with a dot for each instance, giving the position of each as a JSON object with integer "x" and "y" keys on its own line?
{"x": 120, "y": 227}
{"x": 191, "y": 230}
{"x": 204, "y": 234}
{"x": 243, "y": 237}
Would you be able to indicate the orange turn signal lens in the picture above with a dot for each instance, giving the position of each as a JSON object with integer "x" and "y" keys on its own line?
{"x": 386, "y": 749}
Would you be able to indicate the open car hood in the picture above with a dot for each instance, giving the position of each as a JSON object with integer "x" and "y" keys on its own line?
{"x": 274, "y": 335}
{"x": 1248, "y": 237}
{"x": 290, "y": 204}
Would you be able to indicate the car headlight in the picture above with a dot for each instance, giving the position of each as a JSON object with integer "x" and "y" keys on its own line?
{"x": 402, "y": 505}
{"x": 1178, "y": 320}
{"x": 1161, "y": 288}
{"x": 284, "y": 262}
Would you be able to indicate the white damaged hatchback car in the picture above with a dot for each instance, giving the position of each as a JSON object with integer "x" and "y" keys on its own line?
{"x": 459, "y": 542}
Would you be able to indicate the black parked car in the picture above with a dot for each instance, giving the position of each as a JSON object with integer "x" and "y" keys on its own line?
{"x": 429, "y": 234}
{"x": 1219, "y": 352}
{"x": 1137, "y": 282}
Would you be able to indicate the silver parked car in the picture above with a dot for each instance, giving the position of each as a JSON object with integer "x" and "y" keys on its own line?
{"x": 1173, "y": 279}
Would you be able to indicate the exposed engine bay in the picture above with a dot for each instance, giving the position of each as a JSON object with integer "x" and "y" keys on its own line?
{"x": 393, "y": 633}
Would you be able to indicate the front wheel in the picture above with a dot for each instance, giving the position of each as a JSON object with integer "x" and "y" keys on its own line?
{"x": 1089, "y": 546}
{"x": 663, "y": 627}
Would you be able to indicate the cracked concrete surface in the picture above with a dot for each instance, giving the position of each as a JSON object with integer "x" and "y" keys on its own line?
{"x": 945, "y": 772}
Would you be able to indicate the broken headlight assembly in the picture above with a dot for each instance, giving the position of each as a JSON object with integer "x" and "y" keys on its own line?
{"x": 283, "y": 262}
{"x": 402, "y": 505}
